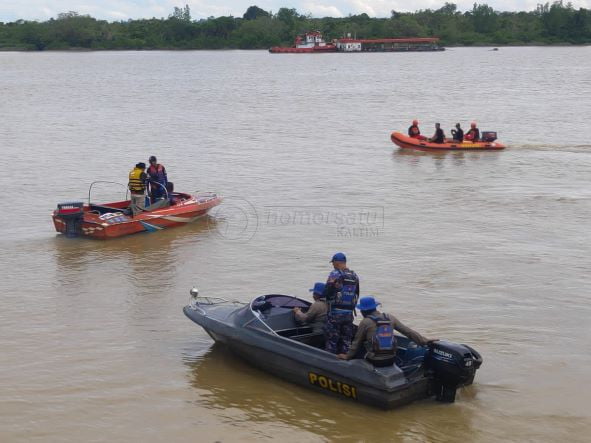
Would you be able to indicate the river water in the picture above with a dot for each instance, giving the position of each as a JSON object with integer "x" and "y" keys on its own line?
{"x": 491, "y": 249}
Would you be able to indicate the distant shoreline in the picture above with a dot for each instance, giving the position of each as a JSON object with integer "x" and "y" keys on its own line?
{"x": 548, "y": 25}
{"x": 172, "y": 49}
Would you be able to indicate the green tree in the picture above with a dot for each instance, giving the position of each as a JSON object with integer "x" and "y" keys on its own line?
{"x": 483, "y": 18}
{"x": 181, "y": 14}
{"x": 254, "y": 12}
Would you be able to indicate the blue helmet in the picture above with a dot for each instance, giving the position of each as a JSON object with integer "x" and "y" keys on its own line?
{"x": 339, "y": 256}
{"x": 368, "y": 304}
{"x": 318, "y": 289}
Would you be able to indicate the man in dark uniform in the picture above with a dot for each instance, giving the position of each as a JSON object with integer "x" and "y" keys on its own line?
{"x": 341, "y": 293}
{"x": 365, "y": 344}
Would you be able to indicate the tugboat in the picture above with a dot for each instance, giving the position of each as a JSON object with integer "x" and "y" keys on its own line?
{"x": 305, "y": 44}
{"x": 265, "y": 334}
{"x": 110, "y": 220}
{"x": 313, "y": 42}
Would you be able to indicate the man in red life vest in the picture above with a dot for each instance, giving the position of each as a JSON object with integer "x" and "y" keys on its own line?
{"x": 158, "y": 180}
{"x": 415, "y": 132}
{"x": 473, "y": 134}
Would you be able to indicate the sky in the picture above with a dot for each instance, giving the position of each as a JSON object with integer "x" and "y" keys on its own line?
{"x": 113, "y": 10}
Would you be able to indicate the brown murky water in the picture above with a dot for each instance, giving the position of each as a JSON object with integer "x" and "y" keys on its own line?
{"x": 492, "y": 249}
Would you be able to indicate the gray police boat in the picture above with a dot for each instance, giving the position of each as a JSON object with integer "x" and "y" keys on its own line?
{"x": 265, "y": 334}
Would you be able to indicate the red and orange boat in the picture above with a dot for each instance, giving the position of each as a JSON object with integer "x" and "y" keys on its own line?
{"x": 487, "y": 144}
{"x": 307, "y": 43}
{"x": 115, "y": 219}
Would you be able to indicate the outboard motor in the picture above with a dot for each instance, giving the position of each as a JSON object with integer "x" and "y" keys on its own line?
{"x": 453, "y": 365}
{"x": 72, "y": 214}
{"x": 489, "y": 136}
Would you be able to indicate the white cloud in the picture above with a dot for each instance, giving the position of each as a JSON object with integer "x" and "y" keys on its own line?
{"x": 318, "y": 10}
{"x": 365, "y": 6}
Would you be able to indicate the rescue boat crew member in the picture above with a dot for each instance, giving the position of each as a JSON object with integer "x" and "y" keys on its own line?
{"x": 439, "y": 136}
{"x": 341, "y": 293}
{"x": 375, "y": 339}
{"x": 158, "y": 179}
{"x": 473, "y": 133}
{"x": 316, "y": 314}
{"x": 458, "y": 133}
{"x": 137, "y": 188}
{"x": 414, "y": 131}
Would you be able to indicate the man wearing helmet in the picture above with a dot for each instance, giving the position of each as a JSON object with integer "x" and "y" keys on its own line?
{"x": 316, "y": 314}
{"x": 473, "y": 134}
{"x": 370, "y": 345}
{"x": 414, "y": 131}
{"x": 341, "y": 293}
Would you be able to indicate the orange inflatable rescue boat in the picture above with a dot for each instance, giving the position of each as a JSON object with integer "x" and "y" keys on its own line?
{"x": 487, "y": 144}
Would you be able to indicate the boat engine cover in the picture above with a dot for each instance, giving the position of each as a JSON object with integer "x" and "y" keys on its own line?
{"x": 453, "y": 365}
{"x": 489, "y": 136}
{"x": 72, "y": 214}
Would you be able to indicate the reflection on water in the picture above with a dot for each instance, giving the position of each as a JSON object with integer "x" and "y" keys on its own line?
{"x": 241, "y": 393}
{"x": 149, "y": 257}
{"x": 441, "y": 158}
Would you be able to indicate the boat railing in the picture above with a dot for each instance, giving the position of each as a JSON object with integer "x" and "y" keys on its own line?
{"x": 196, "y": 300}
{"x": 126, "y": 188}
{"x": 162, "y": 186}
{"x": 109, "y": 182}
{"x": 205, "y": 196}
{"x": 257, "y": 315}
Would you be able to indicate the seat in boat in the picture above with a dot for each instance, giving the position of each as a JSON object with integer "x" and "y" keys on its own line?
{"x": 103, "y": 209}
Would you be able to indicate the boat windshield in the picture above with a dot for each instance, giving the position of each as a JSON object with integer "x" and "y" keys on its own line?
{"x": 285, "y": 301}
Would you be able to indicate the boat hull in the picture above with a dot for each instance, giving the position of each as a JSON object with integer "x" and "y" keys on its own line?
{"x": 407, "y": 142}
{"x": 312, "y": 368}
{"x": 324, "y": 381}
{"x": 312, "y": 50}
{"x": 119, "y": 223}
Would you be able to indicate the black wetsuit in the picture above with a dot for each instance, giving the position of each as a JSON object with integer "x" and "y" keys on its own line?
{"x": 458, "y": 134}
{"x": 439, "y": 136}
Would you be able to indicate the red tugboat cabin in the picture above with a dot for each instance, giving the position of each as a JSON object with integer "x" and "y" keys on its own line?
{"x": 313, "y": 42}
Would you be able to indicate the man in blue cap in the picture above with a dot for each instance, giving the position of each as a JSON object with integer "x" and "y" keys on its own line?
{"x": 341, "y": 292}
{"x": 375, "y": 338}
{"x": 316, "y": 314}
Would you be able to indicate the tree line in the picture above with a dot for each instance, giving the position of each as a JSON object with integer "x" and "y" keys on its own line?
{"x": 555, "y": 23}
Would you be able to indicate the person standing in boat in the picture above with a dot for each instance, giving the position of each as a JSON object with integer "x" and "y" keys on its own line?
{"x": 137, "y": 187}
{"x": 341, "y": 293}
{"x": 458, "y": 133}
{"x": 439, "y": 136}
{"x": 473, "y": 133}
{"x": 375, "y": 339}
{"x": 158, "y": 179}
{"x": 316, "y": 314}
{"x": 415, "y": 132}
